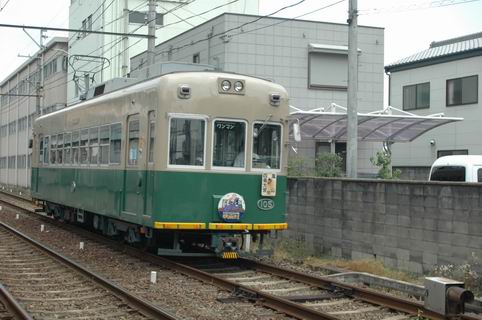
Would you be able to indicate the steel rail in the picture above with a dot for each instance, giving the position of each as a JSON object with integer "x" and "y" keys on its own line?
{"x": 366, "y": 295}
{"x": 12, "y": 305}
{"x": 143, "y": 306}
{"x": 283, "y": 305}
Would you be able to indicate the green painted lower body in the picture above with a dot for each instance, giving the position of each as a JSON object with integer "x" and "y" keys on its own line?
{"x": 144, "y": 197}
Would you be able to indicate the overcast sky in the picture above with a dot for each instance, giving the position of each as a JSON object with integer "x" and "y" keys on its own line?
{"x": 409, "y": 25}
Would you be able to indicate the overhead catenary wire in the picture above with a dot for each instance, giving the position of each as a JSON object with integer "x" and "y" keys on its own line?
{"x": 223, "y": 33}
{"x": 198, "y": 15}
{"x": 414, "y": 6}
{"x": 93, "y": 13}
{"x": 3, "y": 7}
{"x": 117, "y": 41}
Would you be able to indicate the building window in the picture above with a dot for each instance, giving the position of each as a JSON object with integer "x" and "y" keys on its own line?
{"x": 328, "y": 66}
{"x": 12, "y": 162}
{"x": 416, "y": 96}
{"x": 462, "y": 91}
{"x": 196, "y": 58}
{"x": 443, "y": 153}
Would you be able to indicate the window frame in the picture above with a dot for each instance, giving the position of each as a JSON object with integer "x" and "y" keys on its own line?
{"x": 452, "y": 152}
{"x": 203, "y": 117}
{"x": 239, "y": 169}
{"x": 280, "y": 147}
{"x": 87, "y": 163}
{"x": 73, "y": 148}
{"x": 69, "y": 149}
{"x": 476, "y": 76}
{"x": 104, "y": 145}
{"x": 416, "y": 107}
{"x": 91, "y": 147}
{"x": 132, "y": 118}
{"x": 110, "y": 144}
{"x": 151, "y": 119}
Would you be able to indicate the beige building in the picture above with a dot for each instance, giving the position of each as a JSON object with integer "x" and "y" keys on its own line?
{"x": 19, "y": 106}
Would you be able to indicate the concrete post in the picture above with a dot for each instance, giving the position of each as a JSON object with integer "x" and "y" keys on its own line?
{"x": 352, "y": 111}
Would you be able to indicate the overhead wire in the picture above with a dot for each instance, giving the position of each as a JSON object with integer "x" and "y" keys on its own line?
{"x": 198, "y": 15}
{"x": 231, "y": 29}
{"x": 290, "y": 19}
{"x": 94, "y": 20}
{"x": 3, "y": 7}
{"x": 414, "y": 6}
{"x": 173, "y": 23}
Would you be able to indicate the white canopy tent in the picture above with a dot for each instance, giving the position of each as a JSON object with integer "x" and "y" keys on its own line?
{"x": 388, "y": 125}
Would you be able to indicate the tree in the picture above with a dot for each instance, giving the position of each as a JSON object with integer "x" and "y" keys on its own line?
{"x": 383, "y": 161}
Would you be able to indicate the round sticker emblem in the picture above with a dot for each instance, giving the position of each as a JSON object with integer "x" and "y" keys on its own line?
{"x": 231, "y": 207}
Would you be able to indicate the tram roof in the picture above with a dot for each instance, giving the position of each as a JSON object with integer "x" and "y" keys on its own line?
{"x": 389, "y": 124}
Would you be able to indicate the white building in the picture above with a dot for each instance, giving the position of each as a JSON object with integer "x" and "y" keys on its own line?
{"x": 442, "y": 79}
{"x": 308, "y": 58}
{"x": 19, "y": 107}
{"x": 97, "y": 58}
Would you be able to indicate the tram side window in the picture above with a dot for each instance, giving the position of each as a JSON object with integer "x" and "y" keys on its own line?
{"x": 41, "y": 149}
{"x": 84, "y": 141}
{"x": 115, "y": 143}
{"x": 266, "y": 146}
{"x": 60, "y": 148}
{"x": 186, "y": 145}
{"x": 53, "y": 149}
{"x": 152, "y": 135}
{"x": 104, "y": 145}
{"x": 67, "y": 149}
{"x": 133, "y": 142}
{"x": 46, "y": 150}
{"x": 229, "y": 147}
{"x": 94, "y": 145}
{"x": 75, "y": 147}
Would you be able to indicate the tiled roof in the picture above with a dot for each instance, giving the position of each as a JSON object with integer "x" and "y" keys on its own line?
{"x": 442, "y": 49}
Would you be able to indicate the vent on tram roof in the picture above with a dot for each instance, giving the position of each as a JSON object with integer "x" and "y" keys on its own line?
{"x": 99, "y": 90}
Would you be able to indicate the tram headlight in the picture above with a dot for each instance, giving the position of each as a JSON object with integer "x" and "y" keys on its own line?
{"x": 238, "y": 86}
{"x": 226, "y": 85}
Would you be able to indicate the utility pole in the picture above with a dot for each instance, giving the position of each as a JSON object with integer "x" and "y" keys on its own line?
{"x": 40, "y": 68}
{"x": 125, "y": 41}
{"x": 352, "y": 111}
{"x": 151, "y": 42}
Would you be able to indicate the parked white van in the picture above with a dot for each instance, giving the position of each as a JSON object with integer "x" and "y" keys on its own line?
{"x": 457, "y": 168}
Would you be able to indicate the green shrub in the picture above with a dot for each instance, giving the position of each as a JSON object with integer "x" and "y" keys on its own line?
{"x": 296, "y": 166}
{"x": 328, "y": 165}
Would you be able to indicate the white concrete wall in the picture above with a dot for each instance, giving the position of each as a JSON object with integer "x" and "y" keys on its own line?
{"x": 461, "y": 135}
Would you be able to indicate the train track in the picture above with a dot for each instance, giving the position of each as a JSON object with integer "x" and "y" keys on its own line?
{"x": 289, "y": 292}
{"x": 10, "y": 308}
{"x": 50, "y": 285}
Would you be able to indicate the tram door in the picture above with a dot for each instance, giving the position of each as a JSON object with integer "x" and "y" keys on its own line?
{"x": 135, "y": 170}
